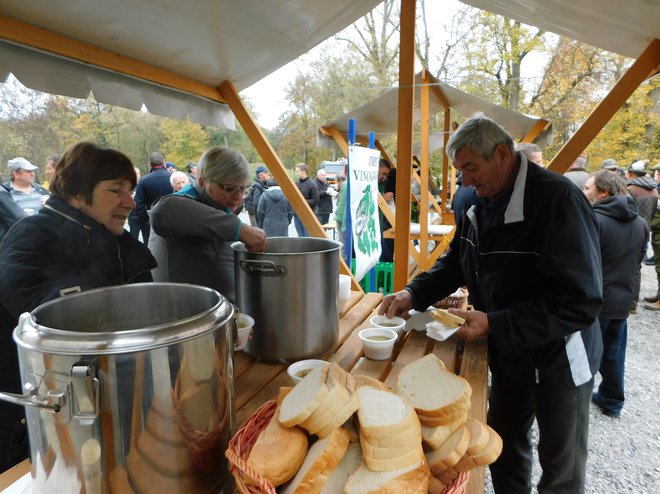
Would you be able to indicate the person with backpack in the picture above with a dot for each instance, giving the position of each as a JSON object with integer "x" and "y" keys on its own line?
{"x": 257, "y": 188}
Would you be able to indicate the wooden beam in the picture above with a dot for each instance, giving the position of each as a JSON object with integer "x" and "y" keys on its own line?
{"x": 333, "y": 132}
{"x": 424, "y": 106}
{"x": 404, "y": 141}
{"x": 277, "y": 169}
{"x": 631, "y": 79}
{"x": 25, "y": 34}
{"x": 537, "y": 130}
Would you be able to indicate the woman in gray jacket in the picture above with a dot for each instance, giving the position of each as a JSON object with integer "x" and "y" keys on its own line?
{"x": 192, "y": 230}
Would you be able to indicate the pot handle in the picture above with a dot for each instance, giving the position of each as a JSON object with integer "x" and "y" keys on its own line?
{"x": 263, "y": 268}
{"x": 53, "y": 402}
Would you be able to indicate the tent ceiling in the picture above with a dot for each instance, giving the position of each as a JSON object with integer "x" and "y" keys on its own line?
{"x": 625, "y": 27}
{"x": 380, "y": 114}
{"x": 210, "y": 41}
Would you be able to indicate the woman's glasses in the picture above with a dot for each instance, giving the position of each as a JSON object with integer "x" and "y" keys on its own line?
{"x": 232, "y": 189}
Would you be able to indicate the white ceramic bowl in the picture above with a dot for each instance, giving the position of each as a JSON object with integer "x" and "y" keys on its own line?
{"x": 245, "y": 325}
{"x": 396, "y": 323}
{"x": 378, "y": 343}
{"x": 298, "y": 370}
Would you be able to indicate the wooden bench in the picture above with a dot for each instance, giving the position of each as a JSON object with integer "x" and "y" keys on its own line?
{"x": 256, "y": 382}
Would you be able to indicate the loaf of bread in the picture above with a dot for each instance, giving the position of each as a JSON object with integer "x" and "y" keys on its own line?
{"x": 278, "y": 452}
{"x": 387, "y": 419}
{"x": 413, "y": 479}
{"x": 321, "y": 460}
{"x": 484, "y": 457}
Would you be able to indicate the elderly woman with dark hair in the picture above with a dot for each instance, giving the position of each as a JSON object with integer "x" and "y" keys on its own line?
{"x": 76, "y": 241}
{"x": 192, "y": 230}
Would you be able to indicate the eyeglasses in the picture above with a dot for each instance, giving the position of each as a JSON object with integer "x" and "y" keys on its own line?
{"x": 232, "y": 189}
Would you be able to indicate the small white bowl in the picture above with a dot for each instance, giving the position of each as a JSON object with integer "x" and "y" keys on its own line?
{"x": 396, "y": 323}
{"x": 298, "y": 370}
{"x": 245, "y": 325}
{"x": 378, "y": 343}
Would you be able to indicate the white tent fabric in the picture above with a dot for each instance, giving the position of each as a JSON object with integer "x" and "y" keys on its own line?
{"x": 380, "y": 114}
{"x": 625, "y": 27}
{"x": 210, "y": 41}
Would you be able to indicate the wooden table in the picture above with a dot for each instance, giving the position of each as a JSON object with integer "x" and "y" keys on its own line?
{"x": 256, "y": 382}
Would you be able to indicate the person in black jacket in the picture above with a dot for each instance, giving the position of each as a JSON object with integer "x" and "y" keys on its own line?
{"x": 259, "y": 185}
{"x": 152, "y": 186}
{"x": 326, "y": 193}
{"x": 77, "y": 240}
{"x": 527, "y": 248}
{"x": 10, "y": 212}
{"x": 623, "y": 234}
{"x": 309, "y": 192}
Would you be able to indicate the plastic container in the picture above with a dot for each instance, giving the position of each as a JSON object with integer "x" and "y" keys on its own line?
{"x": 378, "y": 343}
{"x": 396, "y": 323}
{"x": 245, "y": 324}
{"x": 298, "y": 370}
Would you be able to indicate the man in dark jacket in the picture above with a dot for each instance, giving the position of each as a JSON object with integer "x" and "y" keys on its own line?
{"x": 152, "y": 186}
{"x": 326, "y": 193}
{"x": 10, "y": 212}
{"x": 623, "y": 234}
{"x": 309, "y": 192}
{"x": 253, "y": 197}
{"x": 527, "y": 248}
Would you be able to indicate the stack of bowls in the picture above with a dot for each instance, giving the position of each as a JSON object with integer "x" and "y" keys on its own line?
{"x": 343, "y": 292}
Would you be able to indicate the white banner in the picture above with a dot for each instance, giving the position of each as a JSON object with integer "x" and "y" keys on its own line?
{"x": 363, "y": 177}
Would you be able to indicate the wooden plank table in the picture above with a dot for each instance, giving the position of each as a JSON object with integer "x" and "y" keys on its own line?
{"x": 256, "y": 382}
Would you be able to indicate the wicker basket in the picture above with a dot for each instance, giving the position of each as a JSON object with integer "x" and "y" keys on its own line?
{"x": 241, "y": 444}
{"x": 453, "y": 302}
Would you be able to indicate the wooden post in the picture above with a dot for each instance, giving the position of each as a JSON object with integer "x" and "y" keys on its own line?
{"x": 404, "y": 142}
{"x": 639, "y": 71}
{"x": 424, "y": 171}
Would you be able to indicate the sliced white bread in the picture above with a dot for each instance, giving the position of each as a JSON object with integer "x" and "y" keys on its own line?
{"x": 362, "y": 380}
{"x": 339, "y": 475}
{"x": 450, "y": 320}
{"x": 433, "y": 390}
{"x": 485, "y": 457}
{"x": 479, "y": 436}
{"x": 322, "y": 458}
{"x": 412, "y": 457}
{"x": 342, "y": 416}
{"x": 459, "y": 416}
{"x": 433, "y": 437}
{"x": 410, "y": 480}
{"x": 336, "y": 399}
{"x": 448, "y": 476}
{"x": 450, "y": 453}
{"x": 380, "y": 453}
{"x": 278, "y": 452}
{"x": 383, "y": 415}
{"x": 304, "y": 398}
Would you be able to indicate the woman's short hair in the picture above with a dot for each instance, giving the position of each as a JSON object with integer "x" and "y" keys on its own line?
{"x": 84, "y": 165}
{"x": 482, "y": 135}
{"x": 222, "y": 166}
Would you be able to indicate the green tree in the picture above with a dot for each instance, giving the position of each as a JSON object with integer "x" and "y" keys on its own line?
{"x": 184, "y": 141}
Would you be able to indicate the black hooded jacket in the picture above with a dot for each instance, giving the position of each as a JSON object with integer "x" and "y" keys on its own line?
{"x": 623, "y": 235}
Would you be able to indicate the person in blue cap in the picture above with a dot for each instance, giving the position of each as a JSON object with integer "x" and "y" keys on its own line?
{"x": 253, "y": 196}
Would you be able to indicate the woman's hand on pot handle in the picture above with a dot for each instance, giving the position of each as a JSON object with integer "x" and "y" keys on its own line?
{"x": 254, "y": 238}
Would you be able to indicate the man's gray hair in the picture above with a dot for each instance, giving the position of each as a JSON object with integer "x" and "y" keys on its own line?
{"x": 482, "y": 135}
{"x": 612, "y": 183}
{"x": 222, "y": 166}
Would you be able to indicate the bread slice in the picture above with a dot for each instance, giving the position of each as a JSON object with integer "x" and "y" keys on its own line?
{"x": 412, "y": 457}
{"x": 362, "y": 380}
{"x": 435, "y": 486}
{"x": 383, "y": 414}
{"x": 458, "y": 416}
{"x": 278, "y": 452}
{"x": 304, "y": 398}
{"x": 413, "y": 479}
{"x": 448, "y": 476}
{"x": 338, "y": 477}
{"x": 433, "y": 437}
{"x": 336, "y": 399}
{"x": 433, "y": 391}
{"x": 444, "y": 317}
{"x": 485, "y": 457}
{"x": 322, "y": 458}
{"x": 342, "y": 416}
{"x": 479, "y": 437}
{"x": 451, "y": 451}
{"x": 380, "y": 453}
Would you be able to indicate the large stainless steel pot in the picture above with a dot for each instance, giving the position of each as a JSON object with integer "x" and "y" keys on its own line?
{"x": 291, "y": 292}
{"x": 129, "y": 389}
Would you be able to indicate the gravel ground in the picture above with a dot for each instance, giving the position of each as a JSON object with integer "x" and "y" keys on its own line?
{"x": 624, "y": 453}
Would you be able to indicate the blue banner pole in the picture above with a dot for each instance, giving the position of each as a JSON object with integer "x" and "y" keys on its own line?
{"x": 348, "y": 247}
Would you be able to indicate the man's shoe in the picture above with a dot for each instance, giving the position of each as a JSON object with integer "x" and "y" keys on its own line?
{"x": 652, "y": 299}
{"x": 654, "y": 306}
{"x": 650, "y": 261}
{"x": 603, "y": 409}
{"x": 633, "y": 310}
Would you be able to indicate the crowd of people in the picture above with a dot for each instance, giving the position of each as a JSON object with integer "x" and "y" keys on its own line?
{"x": 552, "y": 268}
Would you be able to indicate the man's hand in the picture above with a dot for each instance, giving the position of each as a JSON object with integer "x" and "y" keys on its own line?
{"x": 254, "y": 238}
{"x": 396, "y": 304}
{"x": 476, "y": 323}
